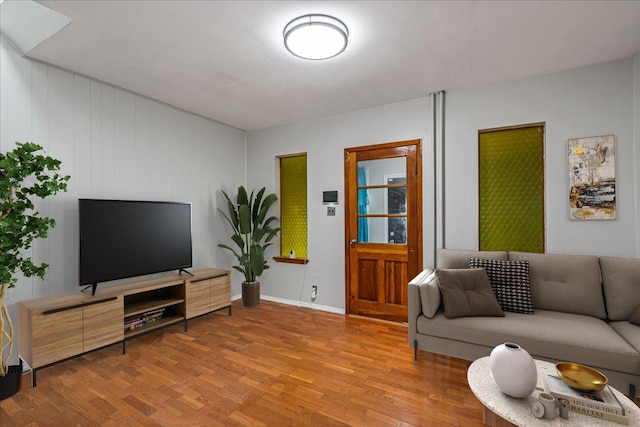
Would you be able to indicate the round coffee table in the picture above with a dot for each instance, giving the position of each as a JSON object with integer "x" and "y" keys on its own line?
{"x": 501, "y": 410}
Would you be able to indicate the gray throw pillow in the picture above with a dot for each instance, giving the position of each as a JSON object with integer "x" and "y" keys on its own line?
{"x": 467, "y": 293}
{"x": 430, "y": 296}
{"x": 635, "y": 317}
{"x": 510, "y": 283}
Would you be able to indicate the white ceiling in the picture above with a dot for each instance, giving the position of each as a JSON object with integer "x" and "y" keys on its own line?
{"x": 225, "y": 59}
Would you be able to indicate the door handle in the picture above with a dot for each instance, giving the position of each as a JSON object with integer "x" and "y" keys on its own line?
{"x": 353, "y": 242}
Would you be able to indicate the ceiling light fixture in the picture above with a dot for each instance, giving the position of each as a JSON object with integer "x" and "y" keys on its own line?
{"x": 316, "y": 36}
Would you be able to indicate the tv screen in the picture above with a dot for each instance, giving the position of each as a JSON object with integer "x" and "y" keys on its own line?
{"x": 126, "y": 238}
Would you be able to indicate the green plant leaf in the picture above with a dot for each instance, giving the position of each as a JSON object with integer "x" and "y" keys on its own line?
{"x": 266, "y": 205}
{"x": 244, "y": 215}
{"x": 233, "y": 215}
{"x": 256, "y": 206}
{"x": 242, "y": 198}
{"x": 257, "y": 260}
{"x": 237, "y": 239}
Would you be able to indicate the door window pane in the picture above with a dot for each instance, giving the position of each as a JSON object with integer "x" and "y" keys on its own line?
{"x": 376, "y": 170}
{"x": 382, "y": 196}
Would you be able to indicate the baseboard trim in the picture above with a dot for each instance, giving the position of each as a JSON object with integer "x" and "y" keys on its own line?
{"x": 295, "y": 303}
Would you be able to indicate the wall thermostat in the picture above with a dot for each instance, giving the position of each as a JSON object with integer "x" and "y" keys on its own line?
{"x": 329, "y": 197}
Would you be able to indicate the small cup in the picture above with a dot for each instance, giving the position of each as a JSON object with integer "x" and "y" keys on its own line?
{"x": 549, "y": 403}
{"x": 564, "y": 408}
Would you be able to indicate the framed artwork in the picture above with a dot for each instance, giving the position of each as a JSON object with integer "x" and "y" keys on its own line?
{"x": 592, "y": 178}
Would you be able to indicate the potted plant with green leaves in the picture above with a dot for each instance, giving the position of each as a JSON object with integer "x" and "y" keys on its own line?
{"x": 25, "y": 174}
{"x": 252, "y": 234}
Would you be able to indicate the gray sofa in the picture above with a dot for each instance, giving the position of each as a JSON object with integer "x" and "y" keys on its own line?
{"x": 582, "y": 306}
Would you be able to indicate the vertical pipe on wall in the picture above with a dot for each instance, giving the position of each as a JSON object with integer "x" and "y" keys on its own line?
{"x": 438, "y": 122}
{"x": 442, "y": 171}
{"x": 436, "y": 181}
{"x": 246, "y": 166}
{"x": 636, "y": 145}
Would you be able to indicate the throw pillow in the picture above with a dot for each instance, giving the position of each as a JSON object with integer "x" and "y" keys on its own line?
{"x": 467, "y": 293}
{"x": 635, "y": 317}
{"x": 510, "y": 283}
{"x": 430, "y": 296}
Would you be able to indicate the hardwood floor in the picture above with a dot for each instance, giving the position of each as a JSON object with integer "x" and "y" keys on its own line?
{"x": 276, "y": 365}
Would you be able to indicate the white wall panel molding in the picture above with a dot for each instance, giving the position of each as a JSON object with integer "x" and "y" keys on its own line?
{"x": 114, "y": 144}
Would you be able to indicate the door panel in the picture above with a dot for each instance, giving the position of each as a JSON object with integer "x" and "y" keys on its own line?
{"x": 368, "y": 270}
{"x": 383, "y": 227}
{"x": 396, "y": 282}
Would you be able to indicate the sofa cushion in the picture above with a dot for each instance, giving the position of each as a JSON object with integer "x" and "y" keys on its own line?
{"x": 467, "y": 292}
{"x": 628, "y": 331}
{"x": 621, "y": 284}
{"x": 430, "y": 295}
{"x": 565, "y": 283}
{"x": 510, "y": 283}
{"x": 547, "y": 335}
{"x": 635, "y": 317}
{"x": 452, "y": 258}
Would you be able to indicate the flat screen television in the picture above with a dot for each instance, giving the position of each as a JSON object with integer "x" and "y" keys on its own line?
{"x": 128, "y": 238}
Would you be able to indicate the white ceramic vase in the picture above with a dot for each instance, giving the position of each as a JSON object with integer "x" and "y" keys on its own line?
{"x": 513, "y": 370}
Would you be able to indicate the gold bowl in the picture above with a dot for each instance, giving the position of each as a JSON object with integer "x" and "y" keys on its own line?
{"x": 581, "y": 377}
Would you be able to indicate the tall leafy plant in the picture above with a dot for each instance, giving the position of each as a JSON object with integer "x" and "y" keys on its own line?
{"x": 252, "y": 230}
{"x": 24, "y": 174}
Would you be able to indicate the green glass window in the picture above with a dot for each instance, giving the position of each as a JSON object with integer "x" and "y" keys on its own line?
{"x": 511, "y": 187}
{"x": 293, "y": 206}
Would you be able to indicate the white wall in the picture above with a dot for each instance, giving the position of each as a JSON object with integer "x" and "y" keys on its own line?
{"x": 324, "y": 141}
{"x": 587, "y": 101}
{"x": 114, "y": 144}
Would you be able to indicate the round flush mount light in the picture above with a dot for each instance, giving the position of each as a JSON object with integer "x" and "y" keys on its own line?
{"x": 316, "y": 36}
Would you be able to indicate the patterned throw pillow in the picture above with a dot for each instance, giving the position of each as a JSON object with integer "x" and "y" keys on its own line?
{"x": 510, "y": 283}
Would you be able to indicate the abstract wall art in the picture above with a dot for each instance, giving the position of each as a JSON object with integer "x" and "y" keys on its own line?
{"x": 592, "y": 178}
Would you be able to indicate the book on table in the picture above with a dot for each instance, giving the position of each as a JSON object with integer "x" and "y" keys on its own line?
{"x": 601, "y": 404}
{"x": 609, "y": 416}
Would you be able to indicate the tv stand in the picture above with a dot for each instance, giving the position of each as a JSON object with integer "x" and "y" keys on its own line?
{"x": 61, "y": 327}
{"x": 182, "y": 269}
{"x": 92, "y": 286}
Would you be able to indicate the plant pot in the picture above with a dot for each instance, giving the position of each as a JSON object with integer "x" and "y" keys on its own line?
{"x": 250, "y": 294}
{"x": 10, "y": 383}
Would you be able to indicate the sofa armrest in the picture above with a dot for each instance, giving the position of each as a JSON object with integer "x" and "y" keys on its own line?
{"x": 415, "y": 303}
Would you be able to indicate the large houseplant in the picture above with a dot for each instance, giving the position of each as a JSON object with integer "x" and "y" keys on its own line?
{"x": 24, "y": 174}
{"x": 252, "y": 234}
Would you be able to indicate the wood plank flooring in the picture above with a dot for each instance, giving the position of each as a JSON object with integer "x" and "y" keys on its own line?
{"x": 276, "y": 365}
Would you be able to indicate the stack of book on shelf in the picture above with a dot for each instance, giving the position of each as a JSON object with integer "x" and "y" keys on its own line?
{"x": 599, "y": 404}
{"x": 139, "y": 320}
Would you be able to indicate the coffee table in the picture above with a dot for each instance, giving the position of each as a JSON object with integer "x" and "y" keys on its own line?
{"x": 501, "y": 410}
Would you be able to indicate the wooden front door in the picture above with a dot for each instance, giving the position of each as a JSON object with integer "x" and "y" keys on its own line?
{"x": 383, "y": 227}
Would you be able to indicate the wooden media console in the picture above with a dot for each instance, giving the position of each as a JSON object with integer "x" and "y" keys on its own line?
{"x": 56, "y": 328}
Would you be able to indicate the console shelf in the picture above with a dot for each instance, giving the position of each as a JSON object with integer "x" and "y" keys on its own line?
{"x": 54, "y": 329}
{"x": 165, "y": 321}
{"x": 144, "y": 306}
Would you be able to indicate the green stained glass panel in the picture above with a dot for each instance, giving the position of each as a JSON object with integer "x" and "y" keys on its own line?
{"x": 293, "y": 206}
{"x": 511, "y": 186}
